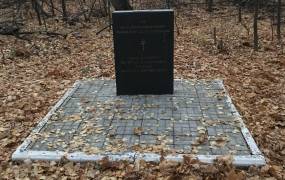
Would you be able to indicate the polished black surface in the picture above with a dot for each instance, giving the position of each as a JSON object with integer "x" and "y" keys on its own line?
{"x": 143, "y": 45}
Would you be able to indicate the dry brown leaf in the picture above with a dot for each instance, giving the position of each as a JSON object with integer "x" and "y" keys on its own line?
{"x": 219, "y": 141}
{"x": 138, "y": 131}
{"x": 233, "y": 175}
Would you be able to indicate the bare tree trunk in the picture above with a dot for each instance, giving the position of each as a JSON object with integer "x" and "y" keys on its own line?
{"x": 91, "y": 9}
{"x": 272, "y": 26}
{"x": 215, "y": 36}
{"x": 210, "y": 5}
{"x": 109, "y": 13}
{"x": 255, "y": 34}
{"x": 81, "y": 4}
{"x": 279, "y": 20}
{"x": 37, "y": 10}
{"x": 52, "y": 7}
{"x": 239, "y": 12}
{"x": 64, "y": 13}
{"x": 121, "y": 5}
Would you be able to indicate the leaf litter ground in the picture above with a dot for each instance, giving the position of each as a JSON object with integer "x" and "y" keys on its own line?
{"x": 35, "y": 74}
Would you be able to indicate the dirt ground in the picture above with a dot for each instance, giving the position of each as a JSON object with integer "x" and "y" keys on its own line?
{"x": 35, "y": 74}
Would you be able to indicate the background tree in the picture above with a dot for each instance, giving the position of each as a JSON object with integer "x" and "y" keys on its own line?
{"x": 121, "y": 4}
{"x": 255, "y": 30}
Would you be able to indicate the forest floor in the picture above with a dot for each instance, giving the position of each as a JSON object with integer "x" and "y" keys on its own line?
{"x": 35, "y": 74}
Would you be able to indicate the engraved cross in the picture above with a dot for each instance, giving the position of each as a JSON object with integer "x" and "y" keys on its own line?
{"x": 143, "y": 43}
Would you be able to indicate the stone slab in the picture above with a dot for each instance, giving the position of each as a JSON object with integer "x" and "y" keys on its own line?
{"x": 91, "y": 121}
{"x": 143, "y": 48}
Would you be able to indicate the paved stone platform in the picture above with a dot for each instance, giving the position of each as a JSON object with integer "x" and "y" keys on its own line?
{"x": 91, "y": 122}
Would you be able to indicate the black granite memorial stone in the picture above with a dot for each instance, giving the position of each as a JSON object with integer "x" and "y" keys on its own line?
{"x": 143, "y": 44}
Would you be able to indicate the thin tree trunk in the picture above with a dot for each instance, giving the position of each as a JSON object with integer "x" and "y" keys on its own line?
{"x": 239, "y": 12}
{"x": 279, "y": 20}
{"x": 210, "y": 5}
{"x": 215, "y": 36}
{"x": 81, "y": 4}
{"x": 109, "y": 13}
{"x": 91, "y": 9}
{"x": 121, "y": 5}
{"x": 255, "y": 34}
{"x": 272, "y": 26}
{"x": 37, "y": 10}
{"x": 64, "y": 13}
{"x": 52, "y": 7}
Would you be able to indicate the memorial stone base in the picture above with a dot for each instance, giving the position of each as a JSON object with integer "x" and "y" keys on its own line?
{"x": 91, "y": 122}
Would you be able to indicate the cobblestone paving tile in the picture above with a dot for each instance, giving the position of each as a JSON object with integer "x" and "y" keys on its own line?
{"x": 197, "y": 118}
